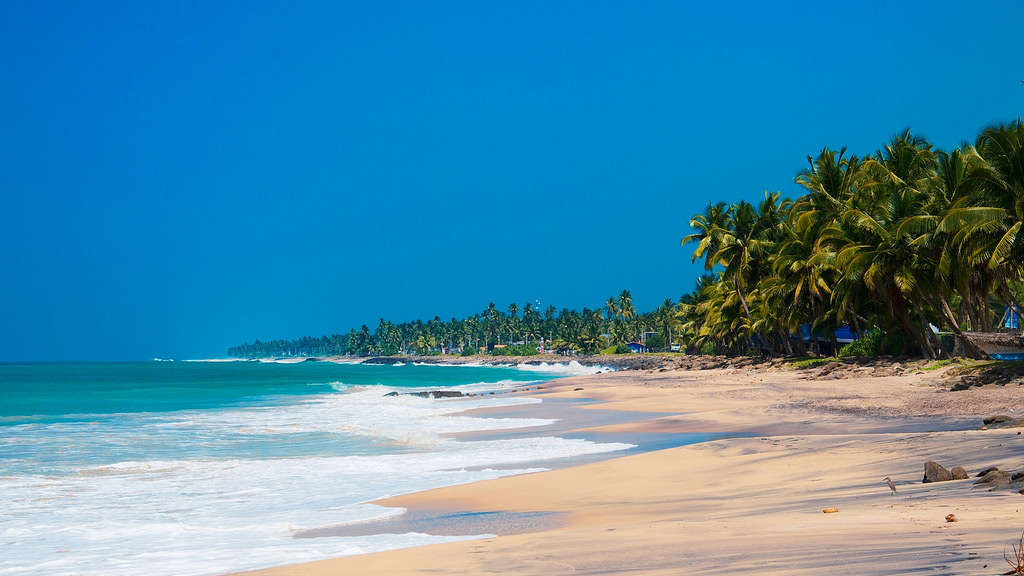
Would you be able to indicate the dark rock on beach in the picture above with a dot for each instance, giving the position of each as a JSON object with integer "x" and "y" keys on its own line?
{"x": 1003, "y": 421}
{"x": 999, "y": 374}
{"x": 431, "y": 394}
{"x": 934, "y": 472}
{"x": 993, "y": 479}
{"x": 959, "y": 473}
{"x": 986, "y": 471}
{"x": 385, "y": 360}
{"x": 438, "y": 394}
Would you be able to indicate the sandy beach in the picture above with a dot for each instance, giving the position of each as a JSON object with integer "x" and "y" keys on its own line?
{"x": 797, "y": 443}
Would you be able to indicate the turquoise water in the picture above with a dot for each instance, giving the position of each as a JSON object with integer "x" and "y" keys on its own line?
{"x": 168, "y": 469}
{"x": 49, "y": 392}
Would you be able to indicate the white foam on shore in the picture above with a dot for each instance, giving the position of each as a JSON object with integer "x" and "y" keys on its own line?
{"x": 569, "y": 368}
{"x": 572, "y": 368}
{"x": 198, "y": 509}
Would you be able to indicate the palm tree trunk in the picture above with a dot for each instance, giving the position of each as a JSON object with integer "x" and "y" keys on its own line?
{"x": 970, "y": 348}
{"x": 801, "y": 349}
{"x": 899, "y": 309}
{"x": 984, "y": 315}
{"x": 787, "y": 345}
{"x": 746, "y": 309}
{"x": 834, "y": 342}
{"x": 936, "y": 343}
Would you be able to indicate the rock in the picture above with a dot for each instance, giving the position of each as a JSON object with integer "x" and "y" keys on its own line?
{"x": 959, "y": 473}
{"x": 933, "y": 472}
{"x": 997, "y": 419}
{"x": 438, "y": 394}
{"x": 993, "y": 479}
{"x": 1006, "y": 423}
{"x": 1015, "y": 486}
{"x": 1017, "y": 476}
{"x": 391, "y": 394}
{"x": 986, "y": 471}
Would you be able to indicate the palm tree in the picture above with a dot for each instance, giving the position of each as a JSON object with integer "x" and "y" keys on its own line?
{"x": 612, "y": 307}
{"x": 985, "y": 221}
{"x": 666, "y": 320}
{"x": 880, "y": 238}
{"x": 629, "y": 321}
{"x": 709, "y": 227}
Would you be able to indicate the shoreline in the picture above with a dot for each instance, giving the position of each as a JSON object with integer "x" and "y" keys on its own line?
{"x": 752, "y": 503}
{"x": 960, "y": 372}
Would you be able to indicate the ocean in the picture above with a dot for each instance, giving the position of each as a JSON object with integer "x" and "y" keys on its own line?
{"x": 203, "y": 468}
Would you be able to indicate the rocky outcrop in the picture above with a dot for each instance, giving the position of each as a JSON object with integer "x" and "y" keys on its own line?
{"x": 432, "y": 394}
{"x": 959, "y": 473}
{"x": 1003, "y": 421}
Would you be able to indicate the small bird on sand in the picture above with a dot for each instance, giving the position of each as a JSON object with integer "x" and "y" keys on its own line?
{"x": 891, "y": 485}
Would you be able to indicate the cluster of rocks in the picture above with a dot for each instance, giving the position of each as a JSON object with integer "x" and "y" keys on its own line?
{"x": 1002, "y": 421}
{"x": 858, "y": 367}
{"x": 934, "y": 472}
{"x": 432, "y": 394}
{"x": 995, "y": 479}
{"x": 992, "y": 477}
{"x": 1003, "y": 374}
{"x": 956, "y": 378}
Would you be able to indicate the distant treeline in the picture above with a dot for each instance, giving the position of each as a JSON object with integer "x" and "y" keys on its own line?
{"x": 527, "y": 329}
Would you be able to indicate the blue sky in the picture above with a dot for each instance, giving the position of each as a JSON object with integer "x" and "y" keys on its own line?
{"x": 179, "y": 177}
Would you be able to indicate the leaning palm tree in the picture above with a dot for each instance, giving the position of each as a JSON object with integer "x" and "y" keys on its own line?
{"x": 709, "y": 227}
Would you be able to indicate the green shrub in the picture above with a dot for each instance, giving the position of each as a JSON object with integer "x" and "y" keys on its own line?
{"x": 892, "y": 343}
{"x": 469, "y": 351}
{"x": 708, "y": 349}
{"x": 609, "y": 350}
{"x": 656, "y": 342}
{"x": 868, "y": 345}
{"x": 807, "y": 362}
{"x": 623, "y": 349}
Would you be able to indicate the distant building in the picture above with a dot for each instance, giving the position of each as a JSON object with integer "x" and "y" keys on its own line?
{"x": 637, "y": 347}
{"x": 843, "y": 335}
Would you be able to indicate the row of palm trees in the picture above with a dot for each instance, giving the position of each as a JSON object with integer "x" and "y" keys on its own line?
{"x": 897, "y": 241}
{"x": 567, "y": 331}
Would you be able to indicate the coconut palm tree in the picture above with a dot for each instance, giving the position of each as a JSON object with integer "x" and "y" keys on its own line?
{"x": 880, "y": 239}
{"x": 709, "y": 227}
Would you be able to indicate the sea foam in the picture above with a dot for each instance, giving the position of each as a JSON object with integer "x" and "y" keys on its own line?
{"x": 211, "y": 491}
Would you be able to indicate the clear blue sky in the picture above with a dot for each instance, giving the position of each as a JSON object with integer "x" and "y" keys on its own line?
{"x": 179, "y": 177}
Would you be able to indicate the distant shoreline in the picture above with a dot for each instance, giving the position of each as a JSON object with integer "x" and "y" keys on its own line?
{"x": 647, "y": 361}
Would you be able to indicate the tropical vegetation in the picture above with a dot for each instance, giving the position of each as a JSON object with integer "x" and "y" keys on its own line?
{"x": 513, "y": 331}
{"x": 899, "y": 246}
{"x": 896, "y": 243}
